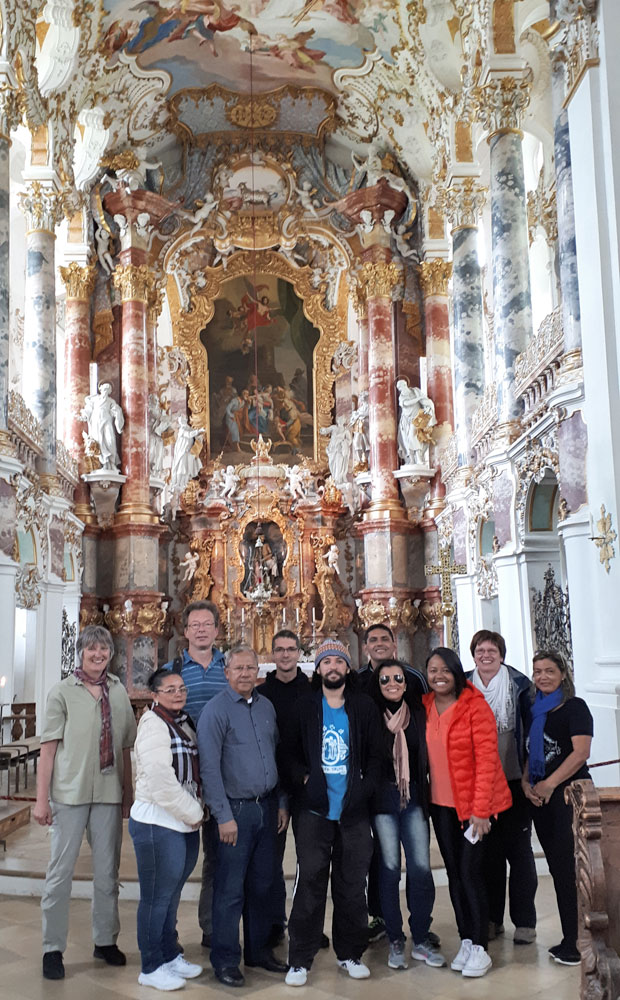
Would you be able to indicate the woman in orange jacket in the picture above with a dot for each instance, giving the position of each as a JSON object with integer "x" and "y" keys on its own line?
{"x": 468, "y": 787}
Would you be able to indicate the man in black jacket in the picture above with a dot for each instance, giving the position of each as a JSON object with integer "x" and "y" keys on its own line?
{"x": 283, "y": 686}
{"x": 333, "y": 759}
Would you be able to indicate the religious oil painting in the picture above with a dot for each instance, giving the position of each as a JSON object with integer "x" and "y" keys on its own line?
{"x": 199, "y": 42}
{"x": 260, "y": 350}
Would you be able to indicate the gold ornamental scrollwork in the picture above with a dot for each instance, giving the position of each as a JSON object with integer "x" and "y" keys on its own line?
{"x": 79, "y": 281}
{"x": 378, "y": 278}
{"x": 434, "y": 276}
{"x": 91, "y": 616}
{"x": 187, "y": 327}
{"x": 503, "y": 102}
{"x": 134, "y": 281}
{"x": 42, "y": 207}
{"x": 147, "y": 619}
{"x": 202, "y": 581}
{"x": 252, "y": 112}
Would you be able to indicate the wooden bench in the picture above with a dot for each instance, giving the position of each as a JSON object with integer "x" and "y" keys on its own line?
{"x": 16, "y": 753}
{"x": 596, "y": 825}
{"x": 13, "y": 815}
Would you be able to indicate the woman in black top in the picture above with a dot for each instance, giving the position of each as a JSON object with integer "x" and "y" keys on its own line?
{"x": 401, "y": 814}
{"x": 558, "y": 746}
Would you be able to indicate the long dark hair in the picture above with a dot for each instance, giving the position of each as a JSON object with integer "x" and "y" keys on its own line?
{"x": 454, "y": 665}
{"x": 410, "y": 695}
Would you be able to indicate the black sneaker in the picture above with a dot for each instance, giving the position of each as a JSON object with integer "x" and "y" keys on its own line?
{"x": 110, "y": 954}
{"x": 324, "y": 940}
{"x": 376, "y": 929}
{"x": 53, "y": 967}
{"x": 564, "y": 955}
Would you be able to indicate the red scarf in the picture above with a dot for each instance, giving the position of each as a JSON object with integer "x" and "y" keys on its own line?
{"x": 106, "y": 743}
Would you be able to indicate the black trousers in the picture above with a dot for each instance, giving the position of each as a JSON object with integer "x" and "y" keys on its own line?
{"x": 510, "y": 840}
{"x": 554, "y": 826}
{"x": 465, "y": 870}
{"x": 322, "y": 843}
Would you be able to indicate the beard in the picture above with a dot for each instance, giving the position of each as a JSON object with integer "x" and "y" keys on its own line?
{"x": 333, "y": 685}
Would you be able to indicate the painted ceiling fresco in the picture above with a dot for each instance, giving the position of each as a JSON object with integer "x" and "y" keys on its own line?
{"x": 199, "y": 42}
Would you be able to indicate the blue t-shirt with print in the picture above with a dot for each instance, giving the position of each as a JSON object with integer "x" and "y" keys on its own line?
{"x": 335, "y": 756}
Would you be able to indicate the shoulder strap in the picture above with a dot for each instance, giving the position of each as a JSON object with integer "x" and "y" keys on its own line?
{"x": 177, "y": 665}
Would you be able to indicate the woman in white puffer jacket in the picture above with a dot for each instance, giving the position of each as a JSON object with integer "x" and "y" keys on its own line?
{"x": 164, "y": 822}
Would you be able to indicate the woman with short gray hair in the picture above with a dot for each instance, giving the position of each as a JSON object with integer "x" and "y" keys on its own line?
{"x": 84, "y": 784}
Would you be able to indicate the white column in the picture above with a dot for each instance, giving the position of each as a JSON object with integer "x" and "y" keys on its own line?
{"x": 49, "y": 644}
{"x": 514, "y": 608}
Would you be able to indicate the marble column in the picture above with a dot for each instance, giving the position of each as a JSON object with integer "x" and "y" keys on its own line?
{"x": 379, "y": 278}
{"x": 79, "y": 282}
{"x": 506, "y": 100}
{"x": 362, "y": 354}
{"x": 567, "y": 246}
{"x": 42, "y": 208}
{"x": 155, "y": 301}
{"x": 434, "y": 278}
{"x": 465, "y": 202}
{"x": 135, "y": 282}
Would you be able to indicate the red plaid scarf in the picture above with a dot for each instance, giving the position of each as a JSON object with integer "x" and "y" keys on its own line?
{"x": 106, "y": 743}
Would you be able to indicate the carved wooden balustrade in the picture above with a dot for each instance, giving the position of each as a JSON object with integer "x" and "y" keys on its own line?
{"x": 596, "y": 825}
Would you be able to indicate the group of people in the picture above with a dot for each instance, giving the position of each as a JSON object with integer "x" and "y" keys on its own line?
{"x": 360, "y": 762}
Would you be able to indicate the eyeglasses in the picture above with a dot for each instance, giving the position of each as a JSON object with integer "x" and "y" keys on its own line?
{"x": 397, "y": 678}
{"x": 198, "y": 625}
{"x": 285, "y": 649}
{"x": 179, "y": 690}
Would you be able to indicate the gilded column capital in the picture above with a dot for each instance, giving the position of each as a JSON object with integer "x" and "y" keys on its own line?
{"x": 464, "y": 202}
{"x": 434, "y": 276}
{"x": 79, "y": 281}
{"x": 503, "y": 101}
{"x": 135, "y": 282}
{"x": 42, "y": 207}
{"x": 378, "y": 277}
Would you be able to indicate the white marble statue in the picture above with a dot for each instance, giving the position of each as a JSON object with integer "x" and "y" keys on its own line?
{"x": 230, "y": 481}
{"x": 359, "y": 425}
{"x": 331, "y": 558}
{"x": 143, "y": 225}
{"x": 367, "y": 223}
{"x": 338, "y": 449}
{"x": 377, "y": 166}
{"x": 189, "y": 565}
{"x": 417, "y": 416}
{"x": 105, "y": 419}
{"x": 185, "y": 465}
{"x": 295, "y": 483}
{"x": 159, "y": 423}
{"x": 102, "y": 239}
{"x": 132, "y": 176}
{"x": 202, "y": 213}
{"x": 305, "y": 193}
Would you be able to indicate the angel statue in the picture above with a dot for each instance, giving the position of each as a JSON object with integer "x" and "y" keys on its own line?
{"x": 105, "y": 419}
{"x": 295, "y": 483}
{"x": 305, "y": 193}
{"x": 189, "y": 565}
{"x": 417, "y": 418}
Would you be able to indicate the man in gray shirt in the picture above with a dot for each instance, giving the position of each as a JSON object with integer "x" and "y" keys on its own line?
{"x": 237, "y": 737}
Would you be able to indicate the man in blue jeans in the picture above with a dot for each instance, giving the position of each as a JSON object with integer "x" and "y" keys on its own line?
{"x": 237, "y": 737}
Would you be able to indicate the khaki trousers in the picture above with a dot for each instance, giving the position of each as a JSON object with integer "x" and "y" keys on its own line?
{"x": 104, "y": 829}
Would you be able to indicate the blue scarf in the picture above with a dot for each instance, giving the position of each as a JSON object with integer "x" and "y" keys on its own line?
{"x": 543, "y": 703}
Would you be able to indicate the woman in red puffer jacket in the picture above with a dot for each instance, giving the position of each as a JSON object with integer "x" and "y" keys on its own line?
{"x": 468, "y": 788}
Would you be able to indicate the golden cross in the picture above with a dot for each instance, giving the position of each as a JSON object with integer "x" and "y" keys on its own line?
{"x": 446, "y": 569}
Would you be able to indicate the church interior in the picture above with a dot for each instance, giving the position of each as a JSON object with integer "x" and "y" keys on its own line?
{"x": 311, "y": 310}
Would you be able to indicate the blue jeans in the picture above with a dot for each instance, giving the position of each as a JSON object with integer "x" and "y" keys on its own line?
{"x": 410, "y": 827}
{"x": 242, "y": 884}
{"x": 166, "y": 859}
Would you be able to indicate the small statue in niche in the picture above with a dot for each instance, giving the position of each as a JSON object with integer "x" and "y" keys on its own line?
{"x": 338, "y": 449}
{"x": 105, "y": 419}
{"x": 331, "y": 559}
{"x": 359, "y": 424}
{"x": 417, "y": 418}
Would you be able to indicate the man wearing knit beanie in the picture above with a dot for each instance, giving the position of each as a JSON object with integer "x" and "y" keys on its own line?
{"x": 333, "y": 762}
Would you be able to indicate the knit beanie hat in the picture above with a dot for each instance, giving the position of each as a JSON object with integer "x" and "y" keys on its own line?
{"x": 332, "y": 647}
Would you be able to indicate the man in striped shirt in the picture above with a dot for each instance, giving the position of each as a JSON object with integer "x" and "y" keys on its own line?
{"x": 202, "y": 668}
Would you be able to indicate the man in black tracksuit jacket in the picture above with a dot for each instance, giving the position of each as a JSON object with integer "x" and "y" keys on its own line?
{"x": 332, "y": 762}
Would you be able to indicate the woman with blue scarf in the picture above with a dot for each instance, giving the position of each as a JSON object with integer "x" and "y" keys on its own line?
{"x": 558, "y": 746}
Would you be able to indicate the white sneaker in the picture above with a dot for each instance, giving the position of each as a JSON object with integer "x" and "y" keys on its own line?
{"x": 357, "y": 970}
{"x": 179, "y": 966}
{"x": 296, "y": 976}
{"x": 426, "y": 953}
{"x": 478, "y": 963}
{"x": 161, "y": 979}
{"x": 460, "y": 960}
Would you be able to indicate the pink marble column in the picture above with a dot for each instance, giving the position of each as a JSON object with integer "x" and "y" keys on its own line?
{"x": 434, "y": 278}
{"x": 79, "y": 282}
{"x": 362, "y": 351}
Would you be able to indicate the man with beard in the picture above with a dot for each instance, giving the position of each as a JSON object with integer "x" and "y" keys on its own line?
{"x": 333, "y": 760}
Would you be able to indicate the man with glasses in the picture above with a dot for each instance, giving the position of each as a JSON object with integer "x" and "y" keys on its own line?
{"x": 283, "y": 686}
{"x": 237, "y": 737}
{"x": 201, "y": 666}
